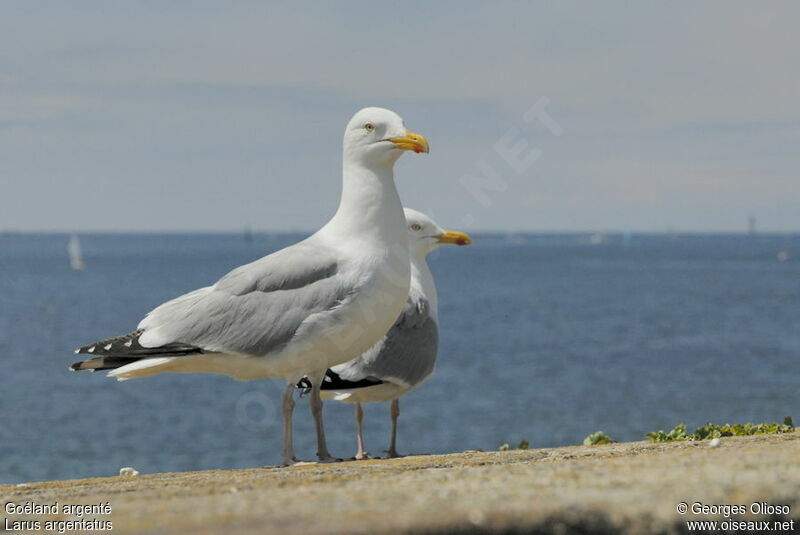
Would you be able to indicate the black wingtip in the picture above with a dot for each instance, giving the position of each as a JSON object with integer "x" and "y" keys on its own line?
{"x": 333, "y": 381}
{"x": 128, "y": 345}
{"x": 86, "y": 349}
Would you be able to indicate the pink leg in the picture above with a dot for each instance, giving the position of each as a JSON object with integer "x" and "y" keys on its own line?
{"x": 287, "y": 405}
{"x": 316, "y": 410}
{"x": 395, "y": 412}
{"x": 361, "y": 454}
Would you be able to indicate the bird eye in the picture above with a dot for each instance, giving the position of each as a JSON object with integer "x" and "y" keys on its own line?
{"x": 369, "y": 127}
{"x": 416, "y": 227}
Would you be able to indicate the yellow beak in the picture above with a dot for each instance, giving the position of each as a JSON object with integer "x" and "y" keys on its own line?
{"x": 454, "y": 237}
{"x": 411, "y": 141}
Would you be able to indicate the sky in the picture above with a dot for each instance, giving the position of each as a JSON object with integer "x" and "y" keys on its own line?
{"x": 541, "y": 116}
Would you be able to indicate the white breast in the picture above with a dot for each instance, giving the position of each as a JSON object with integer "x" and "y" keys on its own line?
{"x": 333, "y": 337}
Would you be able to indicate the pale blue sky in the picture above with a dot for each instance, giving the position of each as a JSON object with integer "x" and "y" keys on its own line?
{"x": 216, "y": 115}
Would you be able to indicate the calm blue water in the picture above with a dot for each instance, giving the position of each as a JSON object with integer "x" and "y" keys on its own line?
{"x": 545, "y": 338}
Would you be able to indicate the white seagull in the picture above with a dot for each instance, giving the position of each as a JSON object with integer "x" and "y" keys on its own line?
{"x": 298, "y": 311}
{"x": 406, "y": 356}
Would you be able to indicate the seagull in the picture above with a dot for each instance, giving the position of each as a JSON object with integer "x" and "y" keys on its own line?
{"x": 298, "y": 311}
{"x": 404, "y": 358}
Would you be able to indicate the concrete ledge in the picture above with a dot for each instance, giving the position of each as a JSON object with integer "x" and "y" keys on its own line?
{"x": 620, "y": 488}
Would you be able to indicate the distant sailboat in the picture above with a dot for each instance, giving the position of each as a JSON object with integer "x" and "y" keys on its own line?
{"x": 75, "y": 254}
{"x": 595, "y": 239}
{"x": 751, "y": 225}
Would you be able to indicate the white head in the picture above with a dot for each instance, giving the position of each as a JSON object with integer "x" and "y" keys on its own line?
{"x": 378, "y": 137}
{"x": 425, "y": 235}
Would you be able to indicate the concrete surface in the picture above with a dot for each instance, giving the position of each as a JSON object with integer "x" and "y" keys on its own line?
{"x": 619, "y": 488}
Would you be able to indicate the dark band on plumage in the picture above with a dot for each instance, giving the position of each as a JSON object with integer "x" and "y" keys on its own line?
{"x": 115, "y": 352}
{"x": 333, "y": 381}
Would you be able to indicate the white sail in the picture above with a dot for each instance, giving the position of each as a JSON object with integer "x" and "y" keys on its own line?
{"x": 75, "y": 255}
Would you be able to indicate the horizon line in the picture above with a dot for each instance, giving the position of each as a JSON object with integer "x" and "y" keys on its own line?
{"x": 666, "y": 232}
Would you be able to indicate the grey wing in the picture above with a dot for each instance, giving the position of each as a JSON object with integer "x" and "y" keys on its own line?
{"x": 256, "y": 308}
{"x": 406, "y": 354}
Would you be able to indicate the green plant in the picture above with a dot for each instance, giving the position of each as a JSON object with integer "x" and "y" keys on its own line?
{"x": 597, "y": 438}
{"x": 678, "y": 433}
{"x": 709, "y": 430}
{"x": 523, "y": 445}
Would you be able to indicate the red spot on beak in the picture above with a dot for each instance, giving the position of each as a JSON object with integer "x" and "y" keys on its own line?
{"x": 461, "y": 241}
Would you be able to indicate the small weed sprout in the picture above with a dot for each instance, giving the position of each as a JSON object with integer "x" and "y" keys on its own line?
{"x": 598, "y": 438}
{"x": 523, "y": 445}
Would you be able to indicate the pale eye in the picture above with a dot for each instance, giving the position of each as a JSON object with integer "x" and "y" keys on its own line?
{"x": 416, "y": 227}
{"x": 369, "y": 127}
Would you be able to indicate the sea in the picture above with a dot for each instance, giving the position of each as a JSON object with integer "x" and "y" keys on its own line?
{"x": 544, "y": 337}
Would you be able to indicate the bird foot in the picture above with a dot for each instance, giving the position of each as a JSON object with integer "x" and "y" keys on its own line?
{"x": 327, "y": 458}
{"x": 303, "y": 463}
{"x": 363, "y": 455}
{"x": 392, "y": 454}
{"x": 294, "y": 461}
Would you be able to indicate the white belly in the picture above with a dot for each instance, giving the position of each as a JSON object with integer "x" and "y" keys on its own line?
{"x": 334, "y": 337}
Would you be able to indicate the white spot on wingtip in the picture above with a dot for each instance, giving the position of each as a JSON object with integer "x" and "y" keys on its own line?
{"x": 107, "y": 347}
{"x": 77, "y": 351}
{"x": 129, "y": 343}
{"x": 90, "y": 350}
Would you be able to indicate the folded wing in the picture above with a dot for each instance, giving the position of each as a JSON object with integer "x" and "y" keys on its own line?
{"x": 253, "y": 310}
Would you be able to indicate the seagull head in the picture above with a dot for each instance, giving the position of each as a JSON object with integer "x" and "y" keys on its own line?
{"x": 425, "y": 235}
{"x": 378, "y": 137}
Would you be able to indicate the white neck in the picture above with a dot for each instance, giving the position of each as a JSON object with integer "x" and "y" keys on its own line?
{"x": 370, "y": 206}
{"x": 422, "y": 283}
